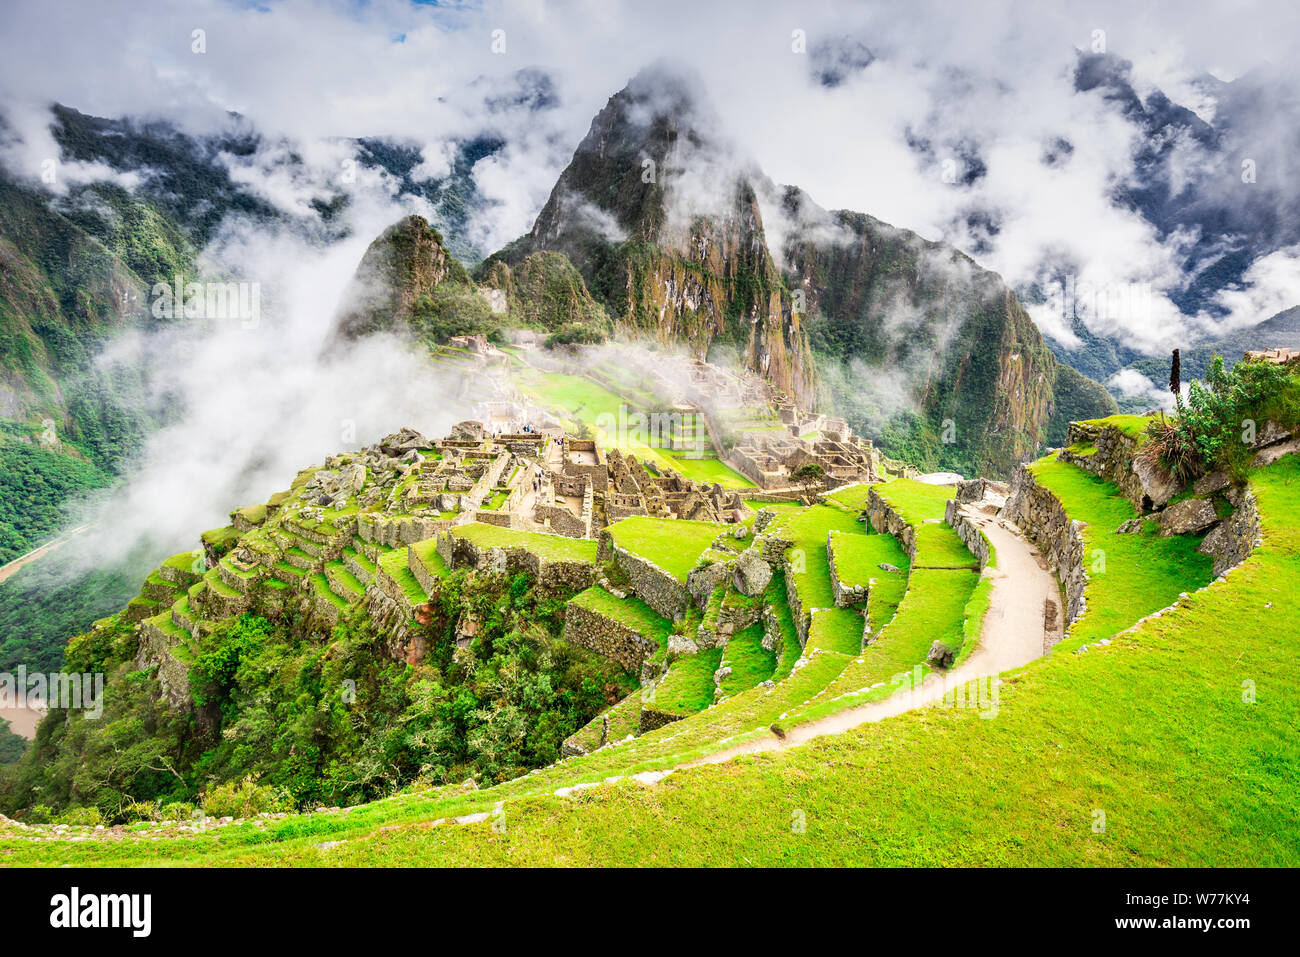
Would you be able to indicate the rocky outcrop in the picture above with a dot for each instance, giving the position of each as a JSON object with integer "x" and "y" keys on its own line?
{"x": 752, "y": 573}
{"x": 1231, "y": 541}
{"x": 1109, "y": 453}
{"x": 1187, "y": 517}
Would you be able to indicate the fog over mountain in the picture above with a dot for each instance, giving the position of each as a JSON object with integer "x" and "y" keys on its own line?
{"x": 1130, "y": 179}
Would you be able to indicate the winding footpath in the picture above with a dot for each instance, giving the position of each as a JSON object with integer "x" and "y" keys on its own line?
{"x": 1016, "y": 631}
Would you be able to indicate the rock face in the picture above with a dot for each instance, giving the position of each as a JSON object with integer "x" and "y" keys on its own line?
{"x": 1187, "y": 517}
{"x": 1231, "y": 541}
{"x": 752, "y": 574}
{"x": 678, "y": 238}
{"x": 940, "y": 655}
{"x": 1117, "y": 458}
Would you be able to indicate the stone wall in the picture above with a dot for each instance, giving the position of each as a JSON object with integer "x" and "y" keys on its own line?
{"x": 885, "y": 520}
{"x": 1116, "y": 459}
{"x": 1231, "y": 541}
{"x": 968, "y": 532}
{"x": 606, "y": 637}
{"x": 846, "y": 595}
{"x": 395, "y": 531}
{"x": 652, "y": 584}
{"x": 1041, "y": 517}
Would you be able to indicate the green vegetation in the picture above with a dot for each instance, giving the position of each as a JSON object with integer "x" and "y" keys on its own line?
{"x": 688, "y": 685}
{"x": 749, "y": 661}
{"x": 1129, "y": 575}
{"x": 287, "y": 720}
{"x": 1222, "y": 416}
{"x": 35, "y": 484}
{"x": 675, "y": 546}
{"x": 630, "y": 611}
{"x": 556, "y": 548}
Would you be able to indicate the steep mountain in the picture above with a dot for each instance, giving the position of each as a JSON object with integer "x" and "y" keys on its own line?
{"x": 668, "y": 234}
{"x": 905, "y": 320}
{"x": 685, "y": 241}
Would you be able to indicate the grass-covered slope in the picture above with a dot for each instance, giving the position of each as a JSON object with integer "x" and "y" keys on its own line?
{"x": 1171, "y": 745}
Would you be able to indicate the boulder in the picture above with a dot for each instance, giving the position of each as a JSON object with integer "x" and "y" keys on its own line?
{"x": 752, "y": 574}
{"x": 941, "y": 656}
{"x": 1207, "y": 485}
{"x": 1187, "y": 517}
{"x": 681, "y": 645}
{"x": 1157, "y": 483}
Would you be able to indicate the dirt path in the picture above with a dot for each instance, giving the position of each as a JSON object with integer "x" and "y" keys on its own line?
{"x": 31, "y": 556}
{"x": 1014, "y": 634}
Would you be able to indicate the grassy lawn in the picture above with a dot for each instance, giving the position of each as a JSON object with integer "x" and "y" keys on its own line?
{"x": 709, "y": 469}
{"x": 549, "y": 547}
{"x": 1131, "y": 575}
{"x": 688, "y": 685}
{"x": 858, "y": 557}
{"x": 749, "y": 661}
{"x": 938, "y": 546}
{"x": 916, "y": 501}
{"x": 632, "y": 612}
{"x": 675, "y": 546}
{"x": 851, "y": 496}
{"x": 1134, "y": 426}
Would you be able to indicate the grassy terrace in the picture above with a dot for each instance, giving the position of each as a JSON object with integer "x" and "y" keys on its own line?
{"x": 393, "y": 564}
{"x": 749, "y": 661}
{"x": 632, "y": 612}
{"x": 555, "y": 548}
{"x": 916, "y": 502}
{"x": 688, "y": 685}
{"x": 1131, "y": 575}
{"x": 673, "y": 545}
{"x": 1134, "y": 426}
{"x": 934, "y": 609}
{"x": 832, "y": 629}
{"x": 851, "y": 496}
{"x": 858, "y": 557}
{"x": 1153, "y": 729}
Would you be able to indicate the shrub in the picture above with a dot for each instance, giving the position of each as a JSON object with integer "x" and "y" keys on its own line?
{"x": 177, "y": 811}
{"x": 85, "y": 816}
{"x": 1215, "y": 426}
{"x": 244, "y": 798}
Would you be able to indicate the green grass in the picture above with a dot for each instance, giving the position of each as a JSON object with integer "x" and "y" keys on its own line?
{"x": 851, "y": 496}
{"x": 393, "y": 564}
{"x": 915, "y": 502}
{"x": 858, "y": 557}
{"x": 749, "y": 661}
{"x": 938, "y": 546}
{"x": 555, "y": 548}
{"x": 426, "y": 553}
{"x": 688, "y": 685}
{"x": 1181, "y": 732}
{"x": 322, "y": 587}
{"x": 673, "y": 545}
{"x": 832, "y": 629}
{"x": 1130, "y": 575}
{"x": 1134, "y": 426}
{"x": 709, "y": 469}
{"x": 631, "y": 612}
